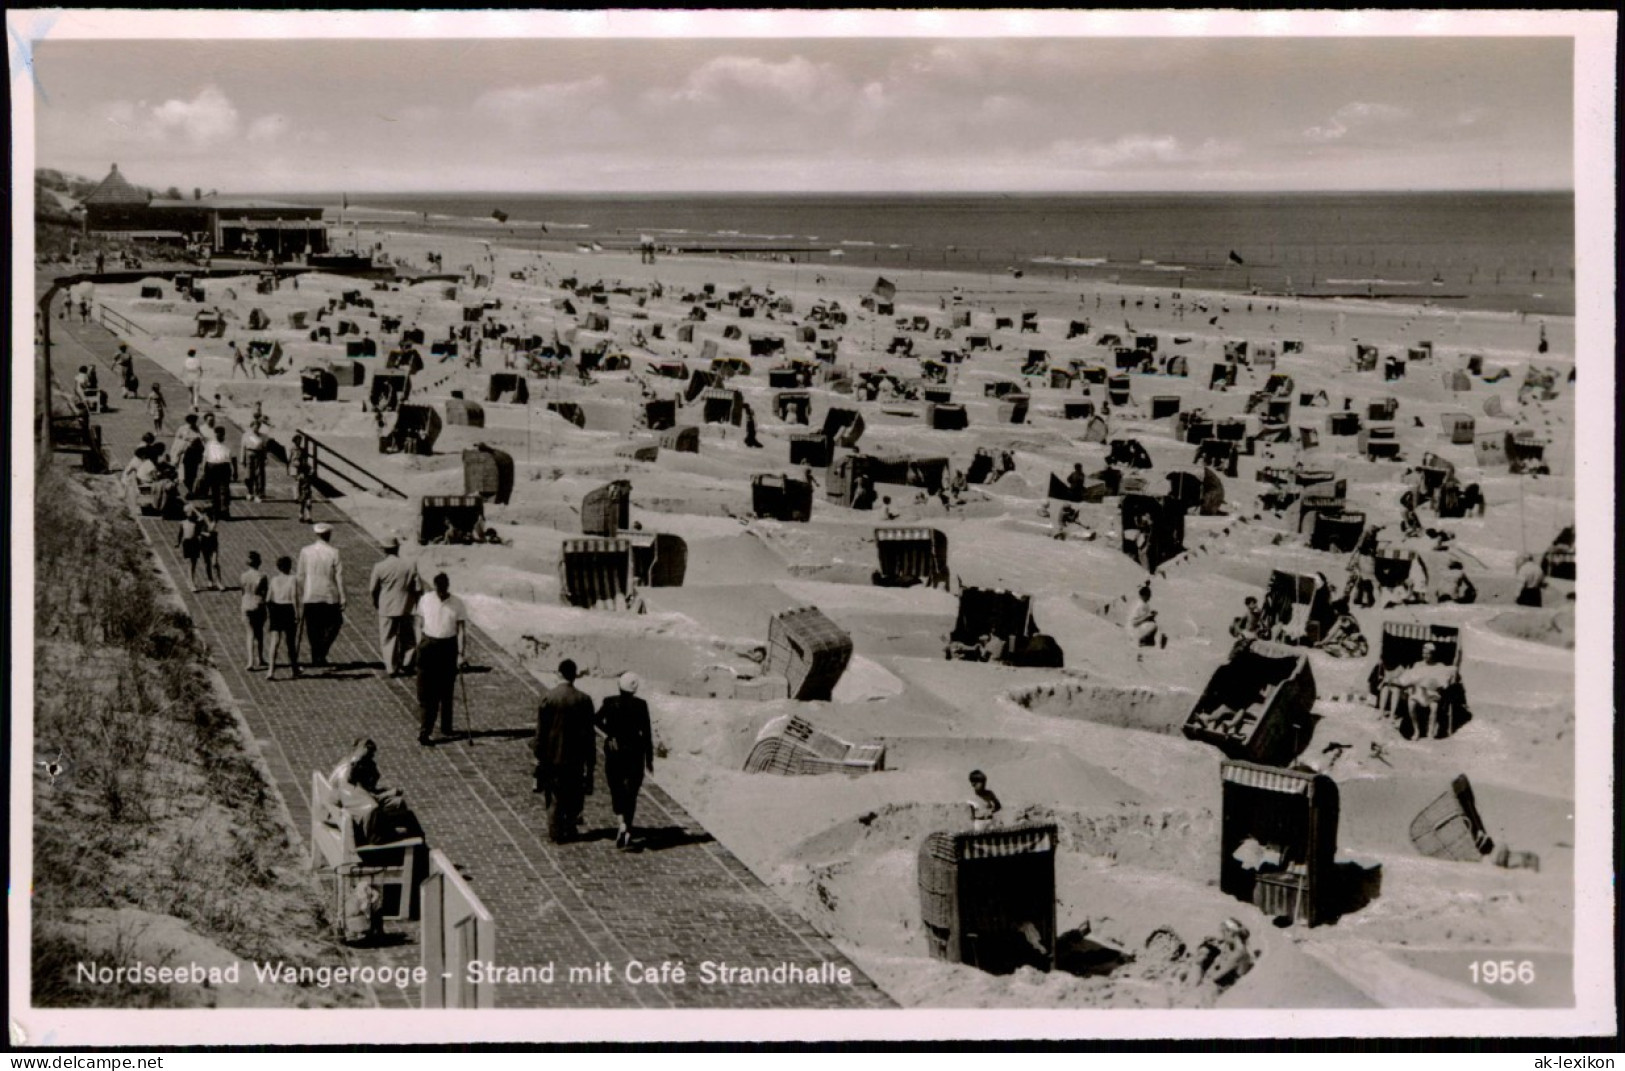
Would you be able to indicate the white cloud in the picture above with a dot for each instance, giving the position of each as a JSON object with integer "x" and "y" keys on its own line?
{"x": 797, "y": 81}
{"x": 1355, "y": 116}
{"x": 1138, "y": 150}
{"x": 207, "y": 119}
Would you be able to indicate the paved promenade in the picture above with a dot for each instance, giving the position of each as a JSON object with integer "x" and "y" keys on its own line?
{"x": 684, "y": 898}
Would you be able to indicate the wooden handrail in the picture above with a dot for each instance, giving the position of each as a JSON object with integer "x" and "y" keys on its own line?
{"x": 320, "y": 448}
{"x": 121, "y": 321}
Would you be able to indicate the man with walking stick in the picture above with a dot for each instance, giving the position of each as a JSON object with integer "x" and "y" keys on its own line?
{"x": 443, "y": 630}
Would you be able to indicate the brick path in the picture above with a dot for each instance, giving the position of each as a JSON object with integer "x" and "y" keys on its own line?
{"x": 685, "y": 898}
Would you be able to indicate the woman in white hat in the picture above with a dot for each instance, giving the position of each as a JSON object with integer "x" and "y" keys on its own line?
{"x": 628, "y": 752}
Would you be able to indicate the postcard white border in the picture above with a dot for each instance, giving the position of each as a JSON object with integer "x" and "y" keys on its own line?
{"x": 1595, "y": 66}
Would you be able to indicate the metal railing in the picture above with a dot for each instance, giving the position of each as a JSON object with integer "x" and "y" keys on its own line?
{"x": 119, "y": 321}
{"x": 323, "y": 456}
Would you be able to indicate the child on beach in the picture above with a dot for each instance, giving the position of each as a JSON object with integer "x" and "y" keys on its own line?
{"x": 282, "y": 615}
{"x": 983, "y": 804}
{"x": 156, "y": 406}
{"x": 254, "y": 585}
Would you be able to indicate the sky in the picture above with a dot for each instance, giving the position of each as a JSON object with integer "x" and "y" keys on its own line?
{"x": 1062, "y": 114}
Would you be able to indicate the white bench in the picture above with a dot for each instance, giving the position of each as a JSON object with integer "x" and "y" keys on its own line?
{"x": 395, "y": 867}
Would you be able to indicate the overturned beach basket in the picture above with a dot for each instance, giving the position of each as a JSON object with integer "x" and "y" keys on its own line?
{"x": 415, "y": 430}
{"x": 790, "y": 745}
{"x": 1460, "y": 428}
{"x": 987, "y": 899}
{"x": 318, "y": 385}
{"x": 945, "y": 417}
{"x": 911, "y": 556}
{"x": 809, "y": 651}
{"x": 1457, "y": 381}
{"x": 659, "y": 559}
{"x": 660, "y": 414}
{"x": 781, "y": 498}
{"x": 681, "y": 440}
{"x": 460, "y": 412}
{"x": 845, "y": 426}
{"x": 595, "y": 573}
{"x": 388, "y": 388}
{"x": 488, "y": 473}
{"x": 439, "y": 514}
{"x": 507, "y": 387}
{"x": 1095, "y": 430}
{"x": 1164, "y": 405}
{"x": 1450, "y": 827}
{"x": 1268, "y": 688}
{"x": 1337, "y": 530}
{"x": 571, "y": 412}
{"x": 809, "y": 448}
{"x": 607, "y": 510}
{"x": 1293, "y": 814}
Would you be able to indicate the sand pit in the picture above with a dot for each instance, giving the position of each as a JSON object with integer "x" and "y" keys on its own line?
{"x": 1095, "y": 745}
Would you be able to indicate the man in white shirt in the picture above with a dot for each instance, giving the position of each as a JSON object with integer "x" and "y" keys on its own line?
{"x": 217, "y": 473}
{"x": 442, "y": 622}
{"x": 321, "y": 581}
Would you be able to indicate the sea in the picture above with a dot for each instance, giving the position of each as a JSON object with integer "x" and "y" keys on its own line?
{"x": 1471, "y": 250}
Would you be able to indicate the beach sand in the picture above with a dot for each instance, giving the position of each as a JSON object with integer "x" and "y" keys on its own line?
{"x": 1095, "y": 747}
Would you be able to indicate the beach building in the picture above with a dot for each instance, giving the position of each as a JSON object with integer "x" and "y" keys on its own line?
{"x": 227, "y": 224}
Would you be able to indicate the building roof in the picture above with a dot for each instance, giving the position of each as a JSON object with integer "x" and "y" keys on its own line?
{"x": 116, "y": 190}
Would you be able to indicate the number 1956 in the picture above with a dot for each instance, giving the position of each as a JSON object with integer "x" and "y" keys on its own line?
{"x": 1502, "y": 972}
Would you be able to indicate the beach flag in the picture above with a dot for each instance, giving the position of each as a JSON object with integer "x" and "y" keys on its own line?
{"x": 885, "y": 289}
{"x": 344, "y": 200}
{"x": 1235, "y": 258}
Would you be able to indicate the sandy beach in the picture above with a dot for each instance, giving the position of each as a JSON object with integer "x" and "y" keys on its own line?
{"x": 1096, "y": 746}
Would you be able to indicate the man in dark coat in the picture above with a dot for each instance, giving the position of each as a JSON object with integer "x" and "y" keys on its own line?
{"x": 565, "y": 758}
{"x": 629, "y": 750}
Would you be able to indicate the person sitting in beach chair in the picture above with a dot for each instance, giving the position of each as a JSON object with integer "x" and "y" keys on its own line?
{"x": 381, "y": 814}
{"x": 1420, "y": 695}
{"x": 1344, "y": 638}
